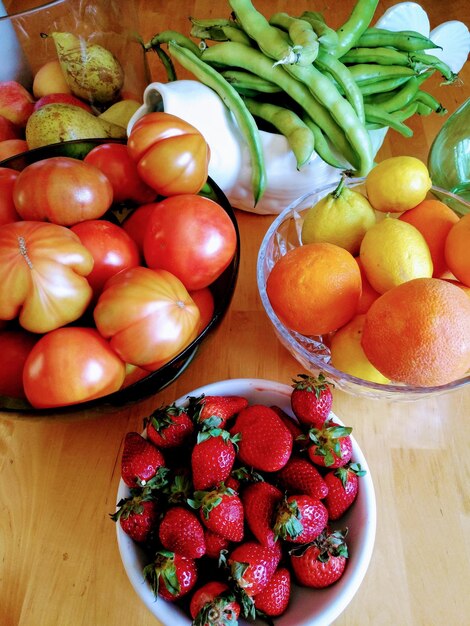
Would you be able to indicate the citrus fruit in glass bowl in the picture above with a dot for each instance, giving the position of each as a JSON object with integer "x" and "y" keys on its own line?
{"x": 307, "y": 606}
{"x": 333, "y": 340}
{"x": 140, "y": 383}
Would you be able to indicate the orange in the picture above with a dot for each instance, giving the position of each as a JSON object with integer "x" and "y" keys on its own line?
{"x": 433, "y": 219}
{"x": 457, "y": 250}
{"x": 418, "y": 333}
{"x": 315, "y": 288}
{"x": 368, "y": 293}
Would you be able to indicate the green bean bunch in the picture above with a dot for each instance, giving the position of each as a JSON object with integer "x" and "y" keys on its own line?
{"x": 322, "y": 88}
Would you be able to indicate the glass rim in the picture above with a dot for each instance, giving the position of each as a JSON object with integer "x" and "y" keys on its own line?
{"x": 31, "y": 11}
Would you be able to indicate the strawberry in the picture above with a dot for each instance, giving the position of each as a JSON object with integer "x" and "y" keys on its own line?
{"x": 169, "y": 427}
{"x": 221, "y": 511}
{"x": 332, "y": 445}
{"x": 266, "y": 443}
{"x": 300, "y": 519}
{"x": 252, "y": 565}
{"x": 311, "y": 399}
{"x": 300, "y": 475}
{"x": 212, "y": 458}
{"x": 221, "y": 407}
{"x": 274, "y": 598}
{"x": 137, "y": 515}
{"x": 141, "y": 460}
{"x": 171, "y": 575}
{"x": 214, "y": 544}
{"x": 259, "y": 502}
{"x": 322, "y": 562}
{"x": 343, "y": 487}
{"x": 289, "y": 421}
{"x": 181, "y": 531}
{"x": 214, "y": 604}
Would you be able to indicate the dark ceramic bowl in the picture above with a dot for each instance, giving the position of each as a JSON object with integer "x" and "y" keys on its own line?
{"x": 222, "y": 290}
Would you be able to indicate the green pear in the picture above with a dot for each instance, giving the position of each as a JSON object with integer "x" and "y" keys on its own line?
{"x": 92, "y": 72}
{"x": 55, "y": 123}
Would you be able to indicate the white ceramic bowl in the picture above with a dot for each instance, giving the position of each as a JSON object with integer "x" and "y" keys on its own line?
{"x": 308, "y": 607}
{"x": 313, "y": 352}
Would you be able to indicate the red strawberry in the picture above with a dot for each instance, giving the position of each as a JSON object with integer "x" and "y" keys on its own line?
{"x": 266, "y": 443}
{"x": 169, "y": 426}
{"x": 300, "y": 519}
{"x": 322, "y": 562}
{"x": 212, "y": 458}
{"x": 140, "y": 461}
{"x": 221, "y": 407}
{"x": 311, "y": 399}
{"x": 343, "y": 485}
{"x": 252, "y": 565}
{"x": 274, "y": 598}
{"x": 289, "y": 421}
{"x": 300, "y": 475}
{"x": 137, "y": 516}
{"x": 221, "y": 511}
{"x": 214, "y": 544}
{"x": 214, "y": 604}
{"x": 181, "y": 531}
{"x": 259, "y": 502}
{"x": 332, "y": 445}
{"x": 171, "y": 575}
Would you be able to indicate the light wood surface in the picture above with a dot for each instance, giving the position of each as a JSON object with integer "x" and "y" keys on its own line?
{"x": 59, "y": 561}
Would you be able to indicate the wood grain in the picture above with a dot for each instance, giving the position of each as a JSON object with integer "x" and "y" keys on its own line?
{"x": 59, "y": 562}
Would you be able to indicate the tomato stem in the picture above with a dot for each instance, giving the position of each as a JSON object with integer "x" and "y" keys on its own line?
{"x": 24, "y": 252}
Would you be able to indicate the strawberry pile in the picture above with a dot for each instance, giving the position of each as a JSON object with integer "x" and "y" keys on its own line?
{"x": 233, "y": 502}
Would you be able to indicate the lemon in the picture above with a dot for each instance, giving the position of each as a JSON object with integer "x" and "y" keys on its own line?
{"x": 393, "y": 252}
{"x": 397, "y": 184}
{"x": 341, "y": 218}
{"x": 348, "y": 356}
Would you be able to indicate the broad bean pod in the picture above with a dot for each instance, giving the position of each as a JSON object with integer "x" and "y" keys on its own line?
{"x": 376, "y": 115}
{"x": 405, "y": 95}
{"x": 302, "y": 35}
{"x": 409, "y": 41}
{"x": 358, "y": 21}
{"x": 242, "y": 80}
{"x": 322, "y": 145}
{"x": 327, "y": 37}
{"x": 366, "y": 73}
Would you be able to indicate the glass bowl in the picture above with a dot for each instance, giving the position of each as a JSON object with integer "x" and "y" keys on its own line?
{"x": 312, "y": 352}
{"x": 307, "y": 607}
{"x": 222, "y": 290}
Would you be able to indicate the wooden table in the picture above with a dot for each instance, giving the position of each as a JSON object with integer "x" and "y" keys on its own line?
{"x": 59, "y": 561}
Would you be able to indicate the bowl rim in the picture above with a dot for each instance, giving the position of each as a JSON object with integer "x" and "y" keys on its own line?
{"x": 359, "y": 559}
{"x": 410, "y": 391}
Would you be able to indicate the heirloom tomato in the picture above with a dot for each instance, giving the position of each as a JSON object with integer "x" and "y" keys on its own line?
{"x": 15, "y": 346}
{"x": 114, "y": 160}
{"x": 111, "y": 247}
{"x": 205, "y": 303}
{"x": 62, "y": 190}
{"x": 147, "y": 315}
{"x": 42, "y": 275}
{"x": 71, "y": 365}
{"x": 136, "y": 222}
{"x": 172, "y": 156}
{"x": 8, "y": 212}
{"x": 192, "y": 237}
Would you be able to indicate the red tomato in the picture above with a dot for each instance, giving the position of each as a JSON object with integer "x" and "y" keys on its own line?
{"x": 63, "y": 191}
{"x": 134, "y": 374}
{"x": 7, "y": 206}
{"x": 135, "y": 224}
{"x": 71, "y": 365}
{"x": 15, "y": 346}
{"x": 192, "y": 237}
{"x": 114, "y": 160}
{"x": 111, "y": 247}
{"x": 148, "y": 316}
{"x": 42, "y": 275}
{"x": 205, "y": 303}
{"x": 172, "y": 156}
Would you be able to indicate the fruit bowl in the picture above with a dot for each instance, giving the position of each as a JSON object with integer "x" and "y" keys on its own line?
{"x": 307, "y": 607}
{"x": 222, "y": 290}
{"x": 313, "y": 352}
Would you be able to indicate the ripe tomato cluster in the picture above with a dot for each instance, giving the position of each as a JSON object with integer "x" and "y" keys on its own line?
{"x": 88, "y": 303}
{"x": 233, "y": 500}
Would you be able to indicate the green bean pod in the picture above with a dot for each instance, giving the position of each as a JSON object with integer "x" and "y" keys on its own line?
{"x": 429, "y": 101}
{"x": 246, "y": 80}
{"x": 405, "y": 95}
{"x": 378, "y": 116}
{"x": 327, "y": 37}
{"x": 232, "y": 54}
{"x": 407, "y": 40}
{"x": 298, "y": 135}
{"x": 366, "y": 73}
{"x": 172, "y": 35}
{"x": 430, "y": 60}
{"x": 380, "y": 55}
{"x": 234, "y": 102}
{"x": 302, "y": 35}
{"x": 358, "y": 21}
{"x": 326, "y": 62}
{"x": 322, "y": 146}
{"x": 383, "y": 86}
